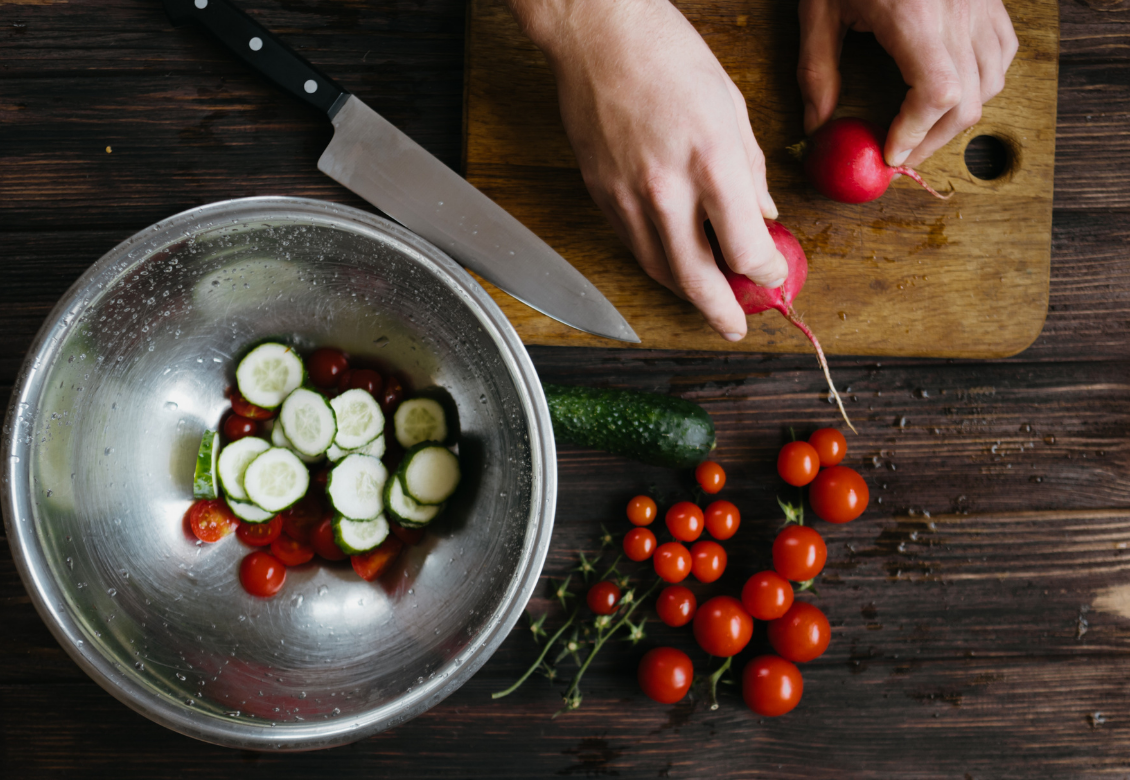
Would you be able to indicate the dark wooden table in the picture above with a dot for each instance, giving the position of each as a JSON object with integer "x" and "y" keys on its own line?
{"x": 980, "y": 609}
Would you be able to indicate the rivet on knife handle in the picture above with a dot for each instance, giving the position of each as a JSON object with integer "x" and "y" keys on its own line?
{"x": 253, "y": 44}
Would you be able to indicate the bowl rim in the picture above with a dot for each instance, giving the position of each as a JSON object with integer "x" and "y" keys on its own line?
{"x": 47, "y": 596}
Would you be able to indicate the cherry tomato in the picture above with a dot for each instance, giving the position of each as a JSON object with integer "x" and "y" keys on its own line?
{"x": 326, "y": 365}
{"x": 672, "y": 562}
{"x": 639, "y": 544}
{"x": 767, "y": 595}
{"x": 245, "y": 408}
{"x": 799, "y": 553}
{"x": 642, "y": 510}
{"x": 801, "y": 634}
{"x": 211, "y": 520}
{"x": 320, "y": 478}
{"x": 798, "y": 462}
{"x": 260, "y": 534}
{"x": 676, "y": 605}
{"x": 685, "y": 521}
{"x": 236, "y": 427}
{"x": 362, "y": 379}
{"x": 392, "y": 396}
{"x": 374, "y": 563}
{"x": 771, "y": 686}
{"x": 710, "y": 476}
{"x": 603, "y": 597}
{"x": 708, "y": 560}
{"x": 721, "y": 627}
{"x": 830, "y": 445}
{"x": 409, "y": 536}
{"x": 262, "y": 574}
{"x": 722, "y": 520}
{"x": 291, "y": 551}
{"x": 838, "y": 495}
{"x": 323, "y": 541}
{"x": 665, "y": 674}
{"x": 302, "y": 518}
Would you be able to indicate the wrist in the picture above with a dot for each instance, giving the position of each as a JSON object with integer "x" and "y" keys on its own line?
{"x": 558, "y": 27}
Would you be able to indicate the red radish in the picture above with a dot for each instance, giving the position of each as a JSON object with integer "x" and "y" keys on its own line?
{"x": 755, "y": 299}
{"x": 844, "y": 161}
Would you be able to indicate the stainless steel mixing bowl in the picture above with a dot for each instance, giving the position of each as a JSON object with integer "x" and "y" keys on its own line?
{"x": 100, "y": 442}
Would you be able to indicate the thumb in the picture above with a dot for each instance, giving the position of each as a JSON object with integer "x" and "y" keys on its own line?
{"x": 818, "y": 71}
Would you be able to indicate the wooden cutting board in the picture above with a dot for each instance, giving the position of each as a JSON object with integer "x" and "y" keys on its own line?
{"x": 904, "y": 275}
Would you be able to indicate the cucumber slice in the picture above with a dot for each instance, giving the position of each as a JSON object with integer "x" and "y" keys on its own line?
{"x": 307, "y": 420}
{"x": 233, "y": 463}
{"x": 248, "y": 512}
{"x": 355, "y": 487}
{"x": 406, "y": 511}
{"x": 419, "y": 419}
{"x": 359, "y": 536}
{"x": 276, "y": 479}
{"x": 279, "y": 439}
{"x": 359, "y": 419}
{"x": 269, "y": 373}
{"x": 376, "y": 448}
{"x": 205, "y": 481}
{"x": 430, "y": 473}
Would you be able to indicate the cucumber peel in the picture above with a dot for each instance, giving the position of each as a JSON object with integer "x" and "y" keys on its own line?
{"x": 204, "y": 481}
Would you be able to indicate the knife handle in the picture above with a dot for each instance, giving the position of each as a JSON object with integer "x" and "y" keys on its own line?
{"x": 251, "y": 42}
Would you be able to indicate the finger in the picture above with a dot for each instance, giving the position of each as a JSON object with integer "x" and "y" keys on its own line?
{"x": 1007, "y": 37}
{"x": 818, "y": 71}
{"x": 745, "y": 242}
{"x": 987, "y": 50}
{"x": 935, "y": 82}
{"x": 637, "y": 233}
{"x": 961, "y": 117}
{"x": 692, "y": 265}
{"x": 754, "y": 157}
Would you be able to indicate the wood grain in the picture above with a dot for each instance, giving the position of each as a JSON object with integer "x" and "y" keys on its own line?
{"x": 904, "y": 275}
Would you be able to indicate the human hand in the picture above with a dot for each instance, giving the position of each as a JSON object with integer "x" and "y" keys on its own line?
{"x": 663, "y": 139}
{"x": 953, "y": 54}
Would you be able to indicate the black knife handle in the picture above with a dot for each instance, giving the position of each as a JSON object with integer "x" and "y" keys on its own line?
{"x": 251, "y": 42}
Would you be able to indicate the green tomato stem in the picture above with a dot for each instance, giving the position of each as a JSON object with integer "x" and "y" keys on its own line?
{"x": 541, "y": 657}
{"x": 713, "y": 680}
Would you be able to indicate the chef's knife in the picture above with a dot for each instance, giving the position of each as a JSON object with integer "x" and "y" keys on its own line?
{"x": 398, "y": 176}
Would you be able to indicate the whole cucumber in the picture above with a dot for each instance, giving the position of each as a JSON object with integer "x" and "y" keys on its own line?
{"x": 659, "y": 430}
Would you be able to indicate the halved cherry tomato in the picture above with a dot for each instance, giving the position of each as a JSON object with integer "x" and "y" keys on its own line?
{"x": 799, "y": 553}
{"x": 801, "y": 634}
{"x": 710, "y": 476}
{"x": 839, "y": 495}
{"x": 260, "y": 534}
{"x": 603, "y": 597}
{"x": 639, "y": 544}
{"x": 262, "y": 574}
{"x": 245, "y": 408}
{"x": 722, "y": 520}
{"x": 211, "y": 520}
{"x": 326, "y": 365}
{"x": 291, "y": 552}
{"x": 798, "y": 463}
{"x": 672, "y": 562}
{"x": 641, "y": 510}
{"x": 301, "y": 519}
{"x": 236, "y": 427}
{"x": 685, "y": 521}
{"x": 708, "y": 560}
{"x": 392, "y": 396}
{"x": 676, "y": 605}
{"x": 830, "y": 445}
{"x": 410, "y": 536}
{"x": 323, "y": 542}
{"x": 665, "y": 674}
{"x": 722, "y": 627}
{"x": 362, "y": 379}
{"x": 767, "y": 595}
{"x": 771, "y": 686}
{"x": 374, "y": 563}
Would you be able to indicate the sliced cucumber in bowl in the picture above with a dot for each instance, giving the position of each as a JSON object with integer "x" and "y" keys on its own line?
{"x": 205, "y": 482}
{"x": 308, "y": 422}
{"x": 404, "y": 509}
{"x": 359, "y": 419}
{"x": 419, "y": 419}
{"x": 276, "y": 479}
{"x": 359, "y": 536}
{"x": 269, "y": 373}
{"x": 233, "y": 462}
{"x": 355, "y": 487}
{"x": 248, "y": 512}
{"x": 429, "y": 473}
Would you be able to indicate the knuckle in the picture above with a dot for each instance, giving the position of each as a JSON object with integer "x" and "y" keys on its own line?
{"x": 995, "y": 85}
{"x": 659, "y": 190}
{"x": 969, "y": 114}
{"x": 943, "y": 92}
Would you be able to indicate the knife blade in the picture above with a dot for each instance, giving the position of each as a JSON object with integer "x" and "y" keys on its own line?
{"x": 374, "y": 159}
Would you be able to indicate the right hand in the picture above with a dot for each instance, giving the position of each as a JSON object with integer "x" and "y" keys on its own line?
{"x": 664, "y": 143}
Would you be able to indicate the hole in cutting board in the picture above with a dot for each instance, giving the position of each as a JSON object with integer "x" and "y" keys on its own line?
{"x": 988, "y": 157}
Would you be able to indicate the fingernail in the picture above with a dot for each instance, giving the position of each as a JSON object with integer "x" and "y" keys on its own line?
{"x": 773, "y": 285}
{"x": 732, "y": 336}
{"x": 772, "y": 211}
{"x": 900, "y": 158}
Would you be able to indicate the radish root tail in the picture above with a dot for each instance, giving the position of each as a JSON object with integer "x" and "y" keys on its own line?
{"x": 918, "y": 178}
{"x": 791, "y": 316}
